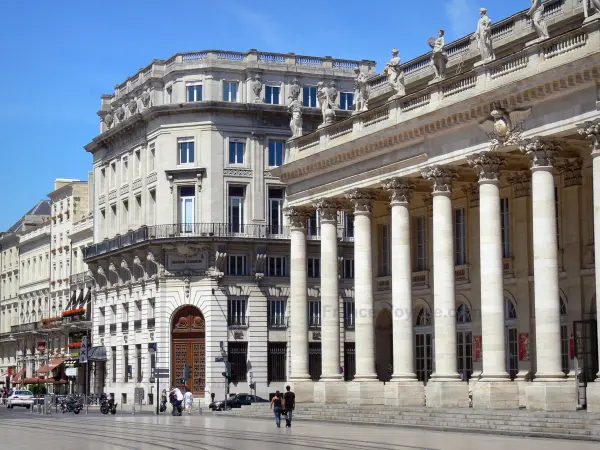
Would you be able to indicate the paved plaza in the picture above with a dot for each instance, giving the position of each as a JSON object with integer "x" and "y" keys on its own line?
{"x": 23, "y": 430}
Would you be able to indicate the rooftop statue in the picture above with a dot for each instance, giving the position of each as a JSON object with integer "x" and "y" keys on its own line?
{"x": 326, "y": 97}
{"x": 361, "y": 91}
{"x": 483, "y": 36}
{"x": 395, "y": 74}
{"x": 295, "y": 90}
{"x": 539, "y": 23}
{"x": 439, "y": 58}
{"x": 257, "y": 88}
{"x": 295, "y": 109}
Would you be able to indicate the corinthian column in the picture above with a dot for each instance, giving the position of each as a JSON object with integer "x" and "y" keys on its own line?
{"x": 330, "y": 314}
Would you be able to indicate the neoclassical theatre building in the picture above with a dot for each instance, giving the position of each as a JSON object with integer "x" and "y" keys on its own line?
{"x": 191, "y": 246}
{"x": 475, "y": 188}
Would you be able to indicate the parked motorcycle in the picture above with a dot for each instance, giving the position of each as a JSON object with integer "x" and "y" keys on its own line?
{"x": 71, "y": 405}
{"x": 108, "y": 405}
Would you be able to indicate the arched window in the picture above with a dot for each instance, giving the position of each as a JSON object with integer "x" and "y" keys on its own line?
{"x": 463, "y": 315}
{"x": 563, "y": 307}
{"x": 510, "y": 310}
{"x": 423, "y": 318}
{"x": 564, "y": 334}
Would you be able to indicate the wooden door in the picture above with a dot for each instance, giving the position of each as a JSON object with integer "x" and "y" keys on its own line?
{"x": 189, "y": 348}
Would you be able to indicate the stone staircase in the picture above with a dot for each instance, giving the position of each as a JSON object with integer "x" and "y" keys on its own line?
{"x": 578, "y": 425}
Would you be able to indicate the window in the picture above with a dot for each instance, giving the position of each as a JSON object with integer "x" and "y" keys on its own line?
{"x": 276, "y": 266}
{"x": 237, "y": 265}
{"x": 309, "y": 96}
{"x": 152, "y": 208}
{"x": 137, "y": 212}
{"x": 126, "y": 368}
{"x": 138, "y": 362}
{"x": 313, "y": 224}
{"x": 505, "y": 218}
{"x": 346, "y": 100}
{"x": 102, "y": 221}
{"x": 314, "y": 360}
{"x": 168, "y": 94}
{"x": 272, "y": 94}
{"x": 421, "y": 256}
{"x": 125, "y": 171}
{"x": 230, "y": 91}
{"x": 564, "y": 336}
{"x": 187, "y": 202}
{"x": 102, "y": 180}
{"x": 137, "y": 163}
{"x": 113, "y": 218}
{"x": 277, "y": 362}
{"x": 277, "y": 313}
{"x": 113, "y": 368}
{"x": 463, "y": 315}
{"x": 186, "y": 151}
{"x": 152, "y": 359}
{"x": 151, "y": 158}
{"x": 275, "y": 153}
{"x": 349, "y": 313}
{"x": 349, "y": 225}
{"x": 236, "y": 152}
{"x": 113, "y": 175}
{"x": 125, "y": 312}
{"x": 276, "y": 210}
{"x": 384, "y": 254}
{"x": 236, "y": 209}
{"x": 194, "y": 92}
{"x": 348, "y": 269}
{"x": 314, "y": 267}
{"x": 125, "y": 213}
{"x": 236, "y": 312}
{"x": 314, "y": 313}
{"x": 237, "y": 355}
{"x": 460, "y": 237}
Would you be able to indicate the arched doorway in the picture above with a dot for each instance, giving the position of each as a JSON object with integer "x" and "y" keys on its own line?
{"x": 383, "y": 345}
{"x": 188, "y": 337}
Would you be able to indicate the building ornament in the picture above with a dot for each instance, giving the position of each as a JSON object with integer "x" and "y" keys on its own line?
{"x": 220, "y": 262}
{"x": 186, "y": 287}
{"x": 361, "y": 91}
{"x": 591, "y": 130}
{"x": 442, "y": 177}
{"x": 326, "y": 97}
{"x": 472, "y": 193}
{"x": 487, "y": 165}
{"x": 595, "y": 4}
{"x": 125, "y": 267}
{"x": 316, "y": 335}
{"x": 439, "y": 58}
{"x": 328, "y": 209}
{"x": 536, "y": 13}
{"x": 238, "y": 172}
{"x": 259, "y": 264}
{"x": 540, "y": 150}
{"x": 120, "y": 113}
{"x": 160, "y": 269}
{"x": 504, "y": 128}
{"x": 400, "y": 189}
{"x": 109, "y": 120}
{"x": 571, "y": 171}
{"x": 238, "y": 334}
{"x": 297, "y": 216}
{"x": 257, "y": 89}
{"x": 145, "y": 98}
{"x": 295, "y": 90}
{"x": 132, "y": 105}
{"x": 112, "y": 268}
{"x": 138, "y": 263}
{"x": 295, "y": 109}
{"x": 361, "y": 199}
{"x": 395, "y": 74}
{"x": 483, "y": 36}
{"x": 521, "y": 183}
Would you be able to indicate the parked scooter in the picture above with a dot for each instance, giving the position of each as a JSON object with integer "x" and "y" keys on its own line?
{"x": 107, "y": 405}
{"x": 70, "y": 404}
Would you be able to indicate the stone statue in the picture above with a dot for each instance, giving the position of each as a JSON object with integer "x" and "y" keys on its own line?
{"x": 295, "y": 109}
{"x": 257, "y": 88}
{"x": 361, "y": 91}
{"x": 539, "y": 23}
{"x": 109, "y": 119}
{"x": 132, "y": 105}
{"x": 145, "y": 97}
{"x": 295, "y": 90}
{"x": 439, "y": 58}
{"x": 325, "y": 96}
{"x": 332, "y": 94}
{"x": 483, "y": 36}
{"x": 120, "y": 113}
{"x": 395, "y": 74}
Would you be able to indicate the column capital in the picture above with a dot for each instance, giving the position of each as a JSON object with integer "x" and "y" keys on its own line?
{"x": 362, "y": 200}
{"x": 328, "y": 209}
{"x": 400, "y": 189}
{"x": 297, "y": 216}
{"x": 591, "y": 130}
{"x": 521, "y": 183}
{"x": 541, "y": 151}
{"x": 442, "y": 177}
{"x": 487, "y": 165}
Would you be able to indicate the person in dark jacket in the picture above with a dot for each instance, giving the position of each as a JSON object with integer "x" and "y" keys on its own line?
{"x": 289, "y": 404}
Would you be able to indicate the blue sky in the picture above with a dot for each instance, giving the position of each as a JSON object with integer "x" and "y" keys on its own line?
{"x": 59, "y": 57}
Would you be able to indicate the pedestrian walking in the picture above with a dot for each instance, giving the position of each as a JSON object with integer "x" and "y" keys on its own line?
{"x": 276, "y": 407}
{"x": 188, "y": 399}
{"x": 163, "y": 401}
{"x": 289, "y": 404}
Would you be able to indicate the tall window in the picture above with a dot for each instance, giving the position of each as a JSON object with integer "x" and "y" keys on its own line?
{"x": 277, "y": 313}
{"x": 275, "y": 153}
{"x": 151, "y": 158}
{"x": 194, "y": 92}
{"x": 421, "y": 256}
{"x": 113, "y": 368}
{"x": 187, "y": 201}
{"x": 236, "y": 209}
{"x": 348, "y": 268}
{"x": 314, "y": 313}
{"x": 309, "y": 97}
{"x": 138, "y": 362}
{"x": 236, "y": 312}
{"x": 346, "y": 100}
{"x": 125, "y": 214}
{"x": 230, "y": 91}
{"x": 276, "y": 266}
{"x": 113, "y": 174}
{"x": 102, "y": 179}
{"x": 314, "y": 267}
{"x": 237, "y": 355}
{"x": 505, "y": 217}
{"x": 113, "y": 218}
{"x": 272, "y": 94}
{"x": 126, "y": 363}
{"x": 125, "y": 171}
{"x": 137, "y": 213}
{"x": 313, "y": 224}
{"x": 349, "y": 313}
{"x": 236, "y": 152}
{"x": 168, "y": 94}
{"x": 384, "y": 250}
{"x": 460, "y": 237}
{"x": 186, "y": 151}
{"x": 277, "y": 362}
{"x": 237, "y": 265}
{"x": 349, "y": 225}
{"x": 137, "y": 161}
{"x": 276, "y": 210}
{"x": 152, "y": 208}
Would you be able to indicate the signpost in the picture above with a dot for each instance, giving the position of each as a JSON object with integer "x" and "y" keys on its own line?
{"x": 83, "y": 359}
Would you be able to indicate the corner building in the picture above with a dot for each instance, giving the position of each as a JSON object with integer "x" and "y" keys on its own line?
{"x": 476, "y": 197}
{"x": 191, "y": 246}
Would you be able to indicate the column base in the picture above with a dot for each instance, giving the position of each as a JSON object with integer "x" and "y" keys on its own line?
{"x": 502, "y": 394}
{"x": 331, "y": 391}
{"x": 366, "y": 392}
{"x": 404, "y": 393}
{"x": 551, "y": 396}
{"x": 447, "y": 394}
{"x": 592, "y": 392}
{"x": 304, "y": 390}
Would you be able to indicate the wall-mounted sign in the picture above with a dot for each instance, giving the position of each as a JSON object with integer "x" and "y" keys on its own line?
{"x": 41, "y": 346}
{"x": 196, "y": 262}
{"x": 71, "y": 371}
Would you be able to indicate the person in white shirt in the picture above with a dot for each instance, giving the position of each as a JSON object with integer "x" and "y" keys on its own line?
{"x": 178, "y": 398}
{"x": 188, "y": 400}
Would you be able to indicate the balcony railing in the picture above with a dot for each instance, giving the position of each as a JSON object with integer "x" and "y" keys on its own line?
{"x": 197, "y": 230}
{"x": 277, "y": 322}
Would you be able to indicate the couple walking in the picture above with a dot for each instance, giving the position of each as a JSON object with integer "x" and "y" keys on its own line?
{"x": 285, "y": 404}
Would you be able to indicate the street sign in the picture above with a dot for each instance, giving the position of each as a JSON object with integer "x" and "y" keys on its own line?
{"x": 156, "y": 371}
{"x": 219, "y": 359}
{"x": 162, "y": 376}
{"x": 83, "y": 350}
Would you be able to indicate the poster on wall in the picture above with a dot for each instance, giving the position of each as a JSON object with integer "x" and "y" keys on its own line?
{"x": 524, "y": 347}
{"x": 41, "y": 346}
{"x": 477, "y": 348}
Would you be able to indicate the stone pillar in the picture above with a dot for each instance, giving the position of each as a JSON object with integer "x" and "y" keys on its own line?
{"x": 299, "y": 305}
{"x": 592, "y": 131}
{"x": 404, "y": 389}
{"x": 331, "y": 388}
{"x": 494, "y": 389}
{"x": 365, "y": 388}
{"x": 548, "y": 391}
{"x": 445, "y": 389}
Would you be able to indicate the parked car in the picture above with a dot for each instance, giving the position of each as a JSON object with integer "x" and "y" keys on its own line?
{"x": 20, "y": 398}
{"x": 237, "y": 401}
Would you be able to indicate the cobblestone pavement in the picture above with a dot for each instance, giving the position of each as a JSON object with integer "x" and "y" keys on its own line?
{"x": 21, "y": 429}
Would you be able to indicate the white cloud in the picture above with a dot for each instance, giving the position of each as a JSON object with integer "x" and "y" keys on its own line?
{"x": 459, "y": 12}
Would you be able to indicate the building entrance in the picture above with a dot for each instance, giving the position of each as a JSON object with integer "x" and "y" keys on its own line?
{"x": 189, "y": 348}
{"x": 586, "y": 356}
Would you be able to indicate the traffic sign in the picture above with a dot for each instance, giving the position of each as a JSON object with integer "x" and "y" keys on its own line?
{"x": 83, "y": 350}
{"x": 219, "y": 359}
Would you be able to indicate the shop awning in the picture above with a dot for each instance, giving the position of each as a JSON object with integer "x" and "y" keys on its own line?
{"x": 32, "y": 381}
{"x": 80, "y": 299}
{"x": 88, "y": 298}
{"x": 18, "y": 376}
{"x": 51, "y": 365}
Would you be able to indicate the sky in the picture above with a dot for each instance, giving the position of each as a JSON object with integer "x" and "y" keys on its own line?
{"x": 59, "y": 57}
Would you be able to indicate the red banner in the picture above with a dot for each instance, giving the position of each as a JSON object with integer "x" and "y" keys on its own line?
{"x": 524, "y": 347}
{"x": 477, "y": 349}
{"x": 41, "y": 346}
